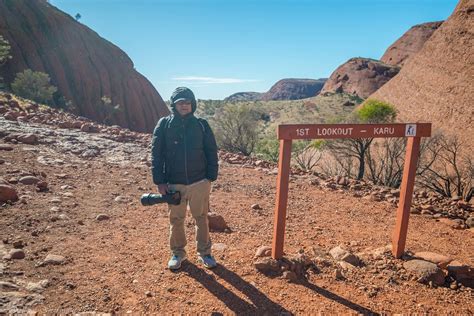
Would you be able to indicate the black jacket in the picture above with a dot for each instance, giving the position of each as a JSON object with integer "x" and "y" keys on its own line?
{"x": 183, "y": 150}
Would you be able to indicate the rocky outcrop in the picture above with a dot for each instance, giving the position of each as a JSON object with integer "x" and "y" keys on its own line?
{"x": 436, "y": 85}
{"x": 84, "y": 66}
{"x": 294, "y": 89}
{"x": 410, "y": 43}
{"x": 244, "y": 96}
{"x": 360, "y": 76}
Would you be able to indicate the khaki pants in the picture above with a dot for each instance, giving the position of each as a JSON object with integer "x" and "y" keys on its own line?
{"x": 197, "y": 196}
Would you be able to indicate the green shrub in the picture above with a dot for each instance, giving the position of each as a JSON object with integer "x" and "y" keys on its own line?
{"x": 375, "y": 111}
{"x": 237, "y": 128}
{"x": 4, "y": 50}
{"x": 34, "y": 85}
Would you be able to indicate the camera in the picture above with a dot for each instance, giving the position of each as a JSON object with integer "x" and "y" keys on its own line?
{"x": 173, "y": 198}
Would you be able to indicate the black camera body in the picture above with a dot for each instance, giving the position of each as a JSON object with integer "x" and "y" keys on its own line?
{"x": 173, "y": 198}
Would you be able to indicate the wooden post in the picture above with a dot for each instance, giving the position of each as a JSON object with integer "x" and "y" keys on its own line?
{"x": 406, "y": 194}
{"x": 281, "y": 198}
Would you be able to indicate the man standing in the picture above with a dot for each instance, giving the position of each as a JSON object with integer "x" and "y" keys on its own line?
{"x": 184, "y": 159}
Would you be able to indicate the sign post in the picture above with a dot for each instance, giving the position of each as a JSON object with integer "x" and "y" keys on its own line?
{"x": 286, "y": 133}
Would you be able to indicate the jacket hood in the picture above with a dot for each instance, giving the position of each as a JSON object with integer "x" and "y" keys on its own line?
{"x": 182, "y": 93}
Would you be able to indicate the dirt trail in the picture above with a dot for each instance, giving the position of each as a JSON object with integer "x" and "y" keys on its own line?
{"x": 119, "y": 264}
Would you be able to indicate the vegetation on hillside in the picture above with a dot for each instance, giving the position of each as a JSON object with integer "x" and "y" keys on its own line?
{"x": 34, "y": 85}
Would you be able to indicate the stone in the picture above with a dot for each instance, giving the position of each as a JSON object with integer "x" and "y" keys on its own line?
{"x": 346, "y": 265}
{"x": 463, "y": 273}
{"x": 18, "y": 244}
{"x": 351, "y": 259}
{"x": 440, "y": 260}
{"x": 102, "y": 217}
{"x": 470, "y": 222}
{"x": 219, "y": 247}
{"x": 338, "y": 274}
{"x": 267, "y": 265}
{"x": 7, "y": 193}
{"x": 37, "y": 286}
{"x": 42, "y": 186}
{"x": 425, "y": 271}
{"x": 121, "y": 199}
{"x": 464, "y": 205}
{"x": 255, "y": 207}
{"x": 6, "y": 147}
{"x": 29, "y": 180}
{"x": 263, "y": 251}
{"x": 290, "y": 276}
{"x": 414, "y": 210}
{"x": 8, "y": 286}
{"x": 15, "y": 254}
{"x": 338, "y": 253}
{"x": 216, "y": 222}
{"x": 54, "y": 259}
{"x": 30, "y": 139}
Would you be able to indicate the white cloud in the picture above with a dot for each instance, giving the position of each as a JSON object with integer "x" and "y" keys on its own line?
{"x": 211, "y": 80}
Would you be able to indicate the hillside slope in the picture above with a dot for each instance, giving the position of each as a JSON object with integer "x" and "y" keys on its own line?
{"x": 84, "y": 66}
{"x": 437, "y": 84}
{"x": 409, "y": 43}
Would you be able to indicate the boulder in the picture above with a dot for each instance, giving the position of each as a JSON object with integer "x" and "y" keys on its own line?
{"x": 267, "y": 265}
{"x": 216, "y": 222}
{"x": 263, "y": 251}
{"x": 54, "y": 259}
{"x": 29, "y": 180}
{"x": 30, "y": 139}
{"x": 440, "y": 260}
{"x": 8, "y": 193}
{"x": 425, "y": 271}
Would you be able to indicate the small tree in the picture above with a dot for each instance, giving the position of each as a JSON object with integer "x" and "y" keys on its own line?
{"x": 4, "y": 51}
{"x": 307, "y": 154}
{"x": 108, "y": 110}
{"x": 372, "y": 111}
{"x": 34, "y": 85}
{"x": 4, "y": 55}
{"x": 237, "y": 128}
{"x": 268, "y": 148}
{"x": 445, "y": 168}
{"x": 78, "y": 16}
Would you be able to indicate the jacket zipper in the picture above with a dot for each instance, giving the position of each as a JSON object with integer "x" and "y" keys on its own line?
{"x": 185, "y": 153}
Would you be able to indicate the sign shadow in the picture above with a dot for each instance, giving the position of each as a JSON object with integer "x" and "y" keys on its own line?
{"x": 260, "y": 303}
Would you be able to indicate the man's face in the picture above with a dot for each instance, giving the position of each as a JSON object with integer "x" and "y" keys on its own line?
{"x": 184, "y": 107}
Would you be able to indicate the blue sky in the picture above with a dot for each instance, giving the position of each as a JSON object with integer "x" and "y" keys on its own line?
{"x": 219, "y": 47}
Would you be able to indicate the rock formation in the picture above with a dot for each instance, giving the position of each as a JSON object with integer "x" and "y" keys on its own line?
{"x": 83, "y": 66}
{"x": 244, "y": 96}
{"x": 436, "y": 85}
{"x": 360, "y": 76}
{"x": 410, "y": 43}
{"x": 294, "y": 89}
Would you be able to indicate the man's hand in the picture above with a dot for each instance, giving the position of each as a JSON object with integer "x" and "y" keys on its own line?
{"x": 163, "y": 188}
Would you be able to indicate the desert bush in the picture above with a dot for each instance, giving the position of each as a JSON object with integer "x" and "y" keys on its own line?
{"x": 267, "y": 148}
{"x": 237, "y": 128}
{"x": 306, "y": 154}
{"x": 108, "y": 110}
{"x": 4, "y": 51}
{"x": 446, "y": 167}
{"x": 34, "y": 85}
{"x": 385, "y": 161}
{"x": 345, "y": 151}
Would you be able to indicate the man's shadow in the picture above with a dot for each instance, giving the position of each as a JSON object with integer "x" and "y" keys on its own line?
{"x": 261, "y": 304}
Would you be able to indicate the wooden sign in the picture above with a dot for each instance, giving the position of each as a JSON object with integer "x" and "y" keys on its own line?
{"x": 286, "y": 133}
{"x": 325, "y": 131}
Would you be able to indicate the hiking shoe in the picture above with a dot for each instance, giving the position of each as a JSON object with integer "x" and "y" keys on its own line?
{"x": 208, "y": 261}
{"x": 175, "y": 262}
